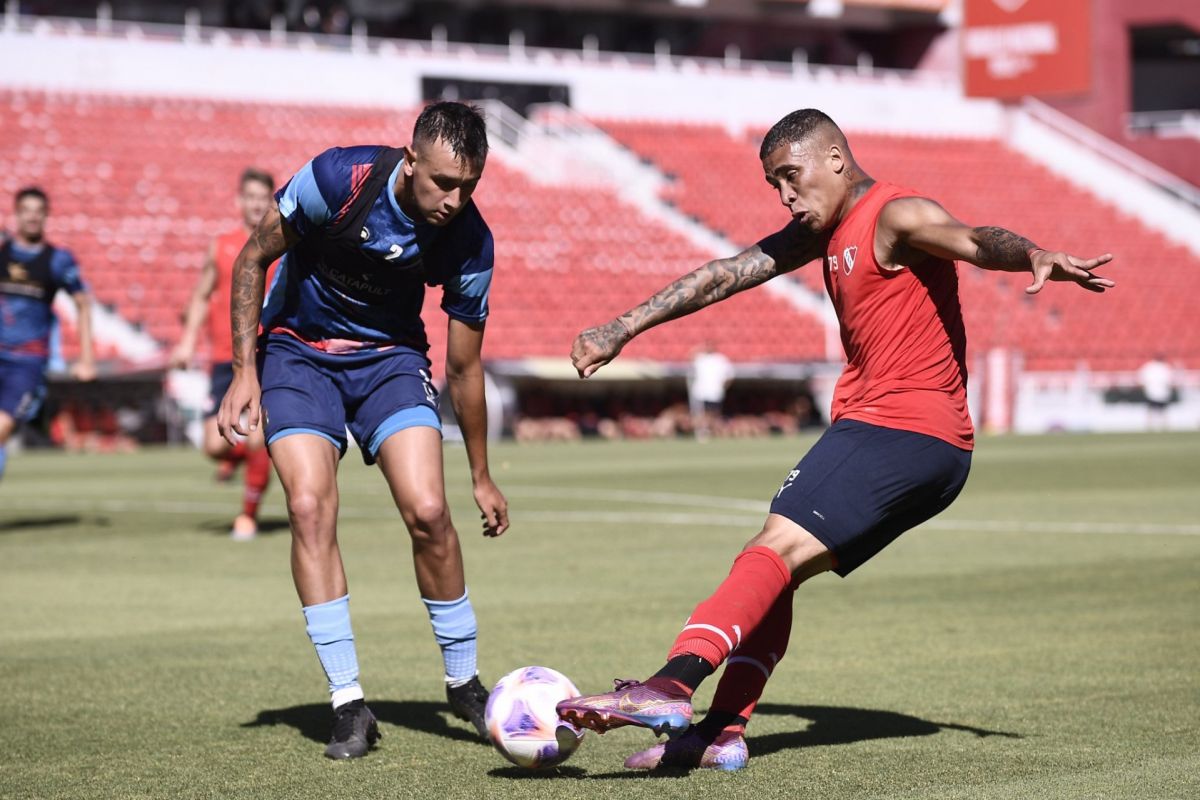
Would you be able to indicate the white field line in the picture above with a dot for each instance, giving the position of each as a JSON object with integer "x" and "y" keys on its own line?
{"x": 590, "y": 516}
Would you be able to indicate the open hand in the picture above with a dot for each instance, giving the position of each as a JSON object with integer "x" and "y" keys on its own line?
{"x": 1048, "y": 266}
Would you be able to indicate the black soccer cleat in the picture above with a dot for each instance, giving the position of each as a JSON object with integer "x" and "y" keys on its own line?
{"x": 469, "y": 702}
{"x": 354, "y": 731}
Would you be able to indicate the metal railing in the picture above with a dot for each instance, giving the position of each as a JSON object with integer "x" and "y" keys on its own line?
{"x": 1166, "y": 124}
{"x": 1113, "y": 152}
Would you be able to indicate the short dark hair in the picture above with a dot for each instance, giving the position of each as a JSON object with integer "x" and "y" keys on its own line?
{"x": 258, "y": 175}
{"x": 459, "y": 125}
{"x": 795, "y": 127}
{"x": 31, "y": 191}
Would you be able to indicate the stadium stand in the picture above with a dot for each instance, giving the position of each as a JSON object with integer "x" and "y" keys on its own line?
{"x": 718, "y": 181}
{"x": 139, "y": 185}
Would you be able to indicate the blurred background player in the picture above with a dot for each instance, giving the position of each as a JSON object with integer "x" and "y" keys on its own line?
{"x": 32, "y": 271}
{"x": 898, "y": 451}
{"x": 1158, "y": 387}
{"x": 709, "y": 379}
{"x": 364, "y": 230}
{"x": 210, "y": 302}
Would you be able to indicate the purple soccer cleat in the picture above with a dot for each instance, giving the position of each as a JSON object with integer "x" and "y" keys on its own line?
{"x": 694, "y": 750}
{"x": 630, "y": 703}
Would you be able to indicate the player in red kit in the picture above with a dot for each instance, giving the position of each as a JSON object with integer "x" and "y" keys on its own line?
{"x": 210, "y": 302}
{"x": 898, "y": 450}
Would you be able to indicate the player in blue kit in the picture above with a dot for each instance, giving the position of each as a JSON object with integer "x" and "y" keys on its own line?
{"x": 32, "y": 271}
{"x": 362, "y": 231}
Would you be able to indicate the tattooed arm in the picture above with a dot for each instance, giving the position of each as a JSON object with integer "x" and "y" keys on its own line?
{"x": 912, "y": 227}
{"x": 270, "y": 240}
{"x": 780, "y": 252}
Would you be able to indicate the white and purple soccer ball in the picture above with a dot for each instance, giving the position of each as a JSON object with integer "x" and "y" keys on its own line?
{"x": 522, "y": 722}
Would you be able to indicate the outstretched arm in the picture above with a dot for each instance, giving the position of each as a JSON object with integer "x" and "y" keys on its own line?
{"x": 270, "y": 240}
{"x": 197, "y": 310}
{"x": 921, "y": 224}
{"x": 464, "y": 376}
{"x": 780, "y": 252}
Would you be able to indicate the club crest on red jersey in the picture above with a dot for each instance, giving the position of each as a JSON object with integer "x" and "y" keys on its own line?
{"x": 848, "y": 256}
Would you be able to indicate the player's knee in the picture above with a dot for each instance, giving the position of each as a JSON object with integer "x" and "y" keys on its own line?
{"x": 428, "y": 517}
{"x": 804, "y": 554}
{"x": 309, "y": 510}
{"x": 214, "y": 446}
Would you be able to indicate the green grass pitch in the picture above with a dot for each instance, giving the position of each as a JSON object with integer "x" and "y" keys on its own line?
{"x": 1041, "y": 639}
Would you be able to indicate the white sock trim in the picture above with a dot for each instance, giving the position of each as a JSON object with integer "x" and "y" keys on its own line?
{"x": 454, "y": 683}
{"x": 716, "y": 630}
{"x": 754, "y": 662}
{"x": 349, "y": 694}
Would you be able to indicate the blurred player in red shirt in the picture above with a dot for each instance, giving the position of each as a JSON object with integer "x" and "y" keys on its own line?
{"x": 898, "y": 451}
{"x": 210, "y": 302}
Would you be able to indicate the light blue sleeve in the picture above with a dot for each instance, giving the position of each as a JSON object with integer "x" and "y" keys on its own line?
{"x": 465, "y": 295}
{"x": 465, "y": 255}
{"x": 66, "y": 272}
{"x": 301, "y": 203}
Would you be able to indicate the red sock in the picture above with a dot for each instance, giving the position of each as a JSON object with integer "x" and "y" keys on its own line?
{"x": 236, "y": 454}
{"x": 735, "y": 610}
{"x": 748, "y": 669}
{"x": 258, "y": 475}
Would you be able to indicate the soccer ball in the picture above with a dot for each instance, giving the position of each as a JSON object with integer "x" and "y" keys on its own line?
{"x": 522, "y": 722}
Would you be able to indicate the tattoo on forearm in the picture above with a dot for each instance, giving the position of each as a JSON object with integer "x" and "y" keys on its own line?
{"x": 998, "y": 247}
{"x": 714, "y": 281}
{"x": 245, "y": 308}
{"x": 246, "y": 292}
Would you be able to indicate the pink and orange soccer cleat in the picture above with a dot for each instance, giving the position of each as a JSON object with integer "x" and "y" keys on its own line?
{"x": 631, "y": 703}
{"x": 694, "y": 750}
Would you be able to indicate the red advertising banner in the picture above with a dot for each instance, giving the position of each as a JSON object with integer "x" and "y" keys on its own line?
{"x": 1012, "y": 48}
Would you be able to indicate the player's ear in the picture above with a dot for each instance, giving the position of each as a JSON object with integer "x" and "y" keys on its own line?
{"x": 410, "y": 158}
{"x": 837, "y": 161}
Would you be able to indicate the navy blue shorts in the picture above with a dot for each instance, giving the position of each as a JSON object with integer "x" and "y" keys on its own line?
{"x": 374, "y": 393}
{"x": 861, "y": 486}
{"x": 22, "y": 388}
{"x": 220, "y": 378}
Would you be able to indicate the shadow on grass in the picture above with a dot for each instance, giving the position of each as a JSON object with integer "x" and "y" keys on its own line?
{"x": 315, "y": 721}
{"x": 265, "y": 526}
{"x": 826, "y": 725}
{"x": 835, "y": 725}
{"x": 54, "y": 521}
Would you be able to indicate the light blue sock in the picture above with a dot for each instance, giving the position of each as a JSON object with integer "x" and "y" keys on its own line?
{"x": 3, "y": 459}
{"x": 454, "y": 629}
{"x": 329, "y": 629}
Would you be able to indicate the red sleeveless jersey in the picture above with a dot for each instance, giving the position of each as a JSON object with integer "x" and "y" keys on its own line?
{"x": 902, "y": 331}
{"x": 220, "y": 329}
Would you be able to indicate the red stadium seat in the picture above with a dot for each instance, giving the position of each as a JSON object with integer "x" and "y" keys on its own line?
{"x": 719, "y": 181}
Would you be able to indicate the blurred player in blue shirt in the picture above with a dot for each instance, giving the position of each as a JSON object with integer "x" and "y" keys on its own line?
{"x": 362, "y": 231}
{"x": 32, "y": 271}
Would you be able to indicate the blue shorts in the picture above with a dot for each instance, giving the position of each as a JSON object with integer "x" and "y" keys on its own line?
{"x": 374, "y": 393}
{"x": 220, "y": 378}
{"x": 861, "y": 486}
{"x": 22, "y": 388}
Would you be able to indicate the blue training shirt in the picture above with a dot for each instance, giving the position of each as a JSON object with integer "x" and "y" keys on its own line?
{"x": 25, "y": 322}
{"x": 351, "y": 315}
